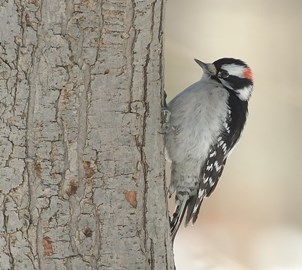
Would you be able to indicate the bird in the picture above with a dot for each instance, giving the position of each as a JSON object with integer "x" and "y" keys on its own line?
{"x": 205, "y": 123}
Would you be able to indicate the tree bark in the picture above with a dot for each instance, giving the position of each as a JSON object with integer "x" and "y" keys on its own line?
{"x": 82, "y": 166}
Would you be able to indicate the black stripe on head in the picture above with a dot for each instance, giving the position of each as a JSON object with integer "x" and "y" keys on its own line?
{"x": 227, "y": 61}
{"x": 238, "y": 83}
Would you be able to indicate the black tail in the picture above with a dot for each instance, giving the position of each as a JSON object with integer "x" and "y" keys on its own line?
{"x": 193, "y": 207}
{"x": 181, "y": 206}
{"x": 184, "y": 204}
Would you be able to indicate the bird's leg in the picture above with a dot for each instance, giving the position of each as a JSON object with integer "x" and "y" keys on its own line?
{"x": 165, "y": 116}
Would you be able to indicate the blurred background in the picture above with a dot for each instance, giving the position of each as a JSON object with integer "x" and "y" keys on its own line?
{"x": 253, "y": 220}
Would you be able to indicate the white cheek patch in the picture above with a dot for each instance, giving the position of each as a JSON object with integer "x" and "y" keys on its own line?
{"x": 234, "y": 70}
{"x": 244, "y": 93}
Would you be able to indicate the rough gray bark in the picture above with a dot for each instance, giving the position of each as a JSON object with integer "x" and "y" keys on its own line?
{"x": 82, "y": 166}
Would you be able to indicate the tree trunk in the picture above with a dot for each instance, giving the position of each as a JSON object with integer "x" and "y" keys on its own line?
{"x": 82, "y": 166}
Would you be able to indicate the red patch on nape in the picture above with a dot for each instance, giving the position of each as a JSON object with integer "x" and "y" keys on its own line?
{"x": 248, "y": 74}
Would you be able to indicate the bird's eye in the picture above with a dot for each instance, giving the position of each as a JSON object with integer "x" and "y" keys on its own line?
{"x": 223, "y": 74}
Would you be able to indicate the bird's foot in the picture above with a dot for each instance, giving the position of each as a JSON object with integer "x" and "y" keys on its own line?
{"x": 166, "y": 115}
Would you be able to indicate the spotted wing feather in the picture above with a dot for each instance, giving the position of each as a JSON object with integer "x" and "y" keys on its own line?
{"x": 217, "y": 156}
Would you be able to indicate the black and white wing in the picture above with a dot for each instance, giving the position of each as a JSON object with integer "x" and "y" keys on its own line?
{"x": 217, "y": 156}
{"x": 209, "y": 176}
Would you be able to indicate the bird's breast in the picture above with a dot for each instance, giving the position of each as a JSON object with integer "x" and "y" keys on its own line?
{"x": 197, "y": 116}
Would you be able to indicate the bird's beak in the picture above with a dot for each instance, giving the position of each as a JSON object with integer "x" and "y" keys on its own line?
{"x": 210, "y": 69}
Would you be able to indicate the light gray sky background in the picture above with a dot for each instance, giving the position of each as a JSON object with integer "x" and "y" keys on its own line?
{"x": 253, "y": 220}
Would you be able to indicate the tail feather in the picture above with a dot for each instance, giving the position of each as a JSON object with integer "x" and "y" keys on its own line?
{"x": 194, "y": 207}
{"x": 185, "y": 204}
{"x": 191, "y": 210}
{"x": 178, "y": 215}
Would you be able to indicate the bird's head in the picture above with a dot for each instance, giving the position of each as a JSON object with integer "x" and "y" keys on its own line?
{"x": 234, "y": 74}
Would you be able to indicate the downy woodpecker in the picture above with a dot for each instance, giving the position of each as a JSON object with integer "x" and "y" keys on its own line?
{"x": 205, "y": 123}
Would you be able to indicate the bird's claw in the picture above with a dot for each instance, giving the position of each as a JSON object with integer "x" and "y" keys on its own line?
{"x": 166, "y": 115}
